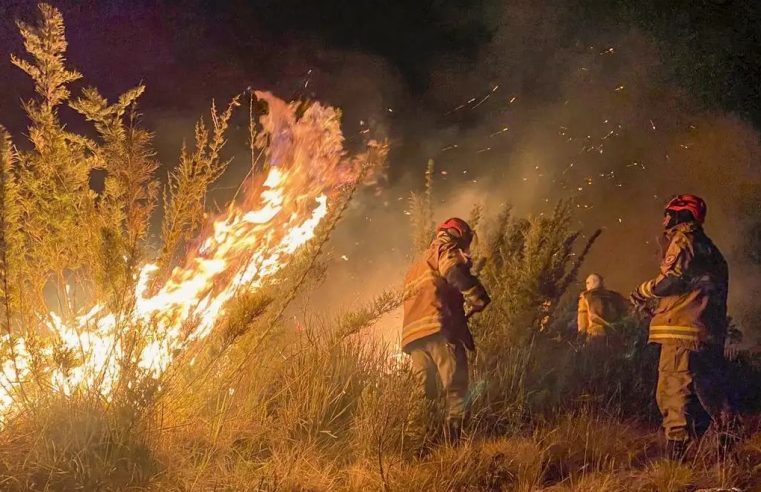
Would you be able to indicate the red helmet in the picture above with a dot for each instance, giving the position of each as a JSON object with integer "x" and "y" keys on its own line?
{"x": 692, "y": 203}
{"x": 461, "y": 227}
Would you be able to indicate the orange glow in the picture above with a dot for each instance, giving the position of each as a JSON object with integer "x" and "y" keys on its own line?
{"x": 237, "y": 252}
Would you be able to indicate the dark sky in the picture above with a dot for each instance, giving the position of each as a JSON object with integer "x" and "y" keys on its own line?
{"x": 219, "y": 43}
{"x": 198, "y": 49}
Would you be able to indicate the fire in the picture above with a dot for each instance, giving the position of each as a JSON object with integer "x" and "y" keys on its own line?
{"x": 238, "y": 251}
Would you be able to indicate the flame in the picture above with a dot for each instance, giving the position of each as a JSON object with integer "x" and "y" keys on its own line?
{"x": 238, "y": 251}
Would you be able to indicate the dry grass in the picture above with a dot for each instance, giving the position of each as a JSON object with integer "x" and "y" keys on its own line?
{"x": 317, "y": 412}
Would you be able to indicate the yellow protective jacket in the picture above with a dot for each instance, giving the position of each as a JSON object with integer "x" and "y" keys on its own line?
{"x": 598, "y": 309}
{"x": 690, "y": 289}
{"x": 436, "y": 287}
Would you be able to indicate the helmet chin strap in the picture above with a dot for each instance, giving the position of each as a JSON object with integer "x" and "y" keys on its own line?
{"x": 671, "y": 219}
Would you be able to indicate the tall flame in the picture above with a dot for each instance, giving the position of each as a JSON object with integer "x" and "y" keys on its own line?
{"x": 239, "y": 250}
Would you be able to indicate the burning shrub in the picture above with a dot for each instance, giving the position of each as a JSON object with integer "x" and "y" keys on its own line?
{"x": 139, "y": 320}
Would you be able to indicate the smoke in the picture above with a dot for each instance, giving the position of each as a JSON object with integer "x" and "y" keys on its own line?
{"x": 546, "y": 112}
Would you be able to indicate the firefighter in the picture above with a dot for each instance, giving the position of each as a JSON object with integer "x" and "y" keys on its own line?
{"x": 598, "y": 309}
{"x": 438, "y": 287}
{"x": 689, "y": 321}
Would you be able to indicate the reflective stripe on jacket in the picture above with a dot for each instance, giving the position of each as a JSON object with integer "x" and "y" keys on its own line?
{"x": 435, "y": 288}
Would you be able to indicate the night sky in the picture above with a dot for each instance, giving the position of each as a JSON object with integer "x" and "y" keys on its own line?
{"x": 190, "y": 51}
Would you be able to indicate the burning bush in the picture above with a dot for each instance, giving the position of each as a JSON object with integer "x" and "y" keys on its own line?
{"x": 89, "y": 323}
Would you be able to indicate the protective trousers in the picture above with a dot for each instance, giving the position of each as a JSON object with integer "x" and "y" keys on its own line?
{"x": 442, "y": 367}
{"x": 691, "y": 390}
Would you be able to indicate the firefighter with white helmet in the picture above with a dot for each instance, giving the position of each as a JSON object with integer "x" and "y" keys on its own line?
{"x": 598, "y": 309}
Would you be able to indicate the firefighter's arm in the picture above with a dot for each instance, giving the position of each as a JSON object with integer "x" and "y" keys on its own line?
{"x": 583, "y": 315}
{"x": 455, "y": 268}
{"x": 671, "y": 279}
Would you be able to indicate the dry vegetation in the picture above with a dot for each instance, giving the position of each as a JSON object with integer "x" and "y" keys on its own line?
{"x": 262, "y": 407}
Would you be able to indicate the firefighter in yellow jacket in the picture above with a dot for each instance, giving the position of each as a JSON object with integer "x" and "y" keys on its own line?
{"x": 689, "y": 321}
{"x": 435, "y": 331}
{"x": 598, "y": 309}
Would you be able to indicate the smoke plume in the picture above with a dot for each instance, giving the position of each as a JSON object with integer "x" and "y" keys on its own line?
{"x": 546, "y": 112}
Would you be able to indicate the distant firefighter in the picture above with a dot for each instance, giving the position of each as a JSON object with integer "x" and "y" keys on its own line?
{"x": 598, "y": 309}
{"x": 435, "y": 331}
{"x": 690, "y": 323}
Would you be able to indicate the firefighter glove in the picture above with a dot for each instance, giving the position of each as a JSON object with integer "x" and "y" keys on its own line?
{"x": 477, "y": 298}
{"x": 637, "y": 299}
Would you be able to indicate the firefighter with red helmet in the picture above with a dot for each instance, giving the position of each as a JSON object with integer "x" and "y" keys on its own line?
{"x": 689, "y": 321}
{"x": 435, "y": 333}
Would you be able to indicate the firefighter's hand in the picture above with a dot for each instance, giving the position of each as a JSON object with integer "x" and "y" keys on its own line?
{"x": 470, "y": 310}
{"x": 476, "y": 299}
{"x": 475, "y": 307}
{"x": 637, "y": 300}
{"x": 641, "y": 304}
